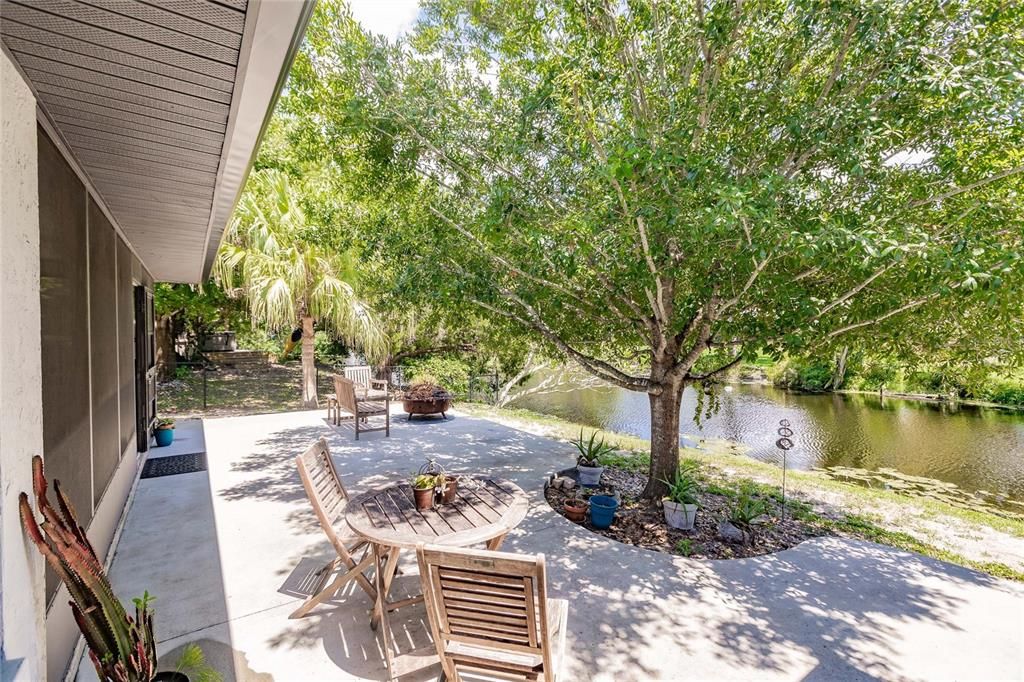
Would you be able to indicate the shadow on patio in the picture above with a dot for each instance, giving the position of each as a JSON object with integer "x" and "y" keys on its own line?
{"x": 830, "y": 608}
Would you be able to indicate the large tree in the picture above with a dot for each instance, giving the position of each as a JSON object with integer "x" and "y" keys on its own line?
{"x": 657, "y": 189}
{"x": 289, "y": 273}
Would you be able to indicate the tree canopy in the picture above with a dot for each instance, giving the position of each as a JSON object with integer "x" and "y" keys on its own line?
{"x": 647, "y": 185}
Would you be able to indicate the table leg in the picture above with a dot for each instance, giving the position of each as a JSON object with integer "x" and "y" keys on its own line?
{"x": 494, "y": 544}
{"x": 385, "y": 576}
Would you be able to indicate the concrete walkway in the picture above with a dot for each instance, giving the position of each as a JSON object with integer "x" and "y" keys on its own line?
{"x": 226, "y": 551}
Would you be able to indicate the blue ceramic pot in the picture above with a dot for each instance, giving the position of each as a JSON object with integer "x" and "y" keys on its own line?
{"x": 164, "y": 437}
{"x": 602, "y": 510}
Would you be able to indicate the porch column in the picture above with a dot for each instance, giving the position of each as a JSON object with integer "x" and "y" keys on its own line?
{"x": 22, "y": 602}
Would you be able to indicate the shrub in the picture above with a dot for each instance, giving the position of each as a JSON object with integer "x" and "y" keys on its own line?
{"x": 329, "y": 350}
{"x": 449, "y": 373}
{"x": 1005, "y": 391}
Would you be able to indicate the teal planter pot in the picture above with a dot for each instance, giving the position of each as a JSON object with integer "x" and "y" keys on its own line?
{"x": 602, "y": 510}
{"x": 164, "y": 437}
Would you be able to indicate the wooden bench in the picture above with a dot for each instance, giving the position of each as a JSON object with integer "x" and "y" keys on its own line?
{"x": 346, "y": 394}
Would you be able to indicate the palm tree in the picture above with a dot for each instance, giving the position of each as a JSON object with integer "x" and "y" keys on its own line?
{"x": 279, "y": 263}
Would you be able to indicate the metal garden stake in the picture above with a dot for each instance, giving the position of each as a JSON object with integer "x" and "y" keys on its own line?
{"x": 785, "y": 444}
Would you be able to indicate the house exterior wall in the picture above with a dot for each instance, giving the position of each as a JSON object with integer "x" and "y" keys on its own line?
{"x": 67, "y": 387}
{"x": 87, "y": 276}
{"x": 22, "y": 653}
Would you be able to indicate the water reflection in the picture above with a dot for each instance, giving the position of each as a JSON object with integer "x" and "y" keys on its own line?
{"x": 979, "y": 449}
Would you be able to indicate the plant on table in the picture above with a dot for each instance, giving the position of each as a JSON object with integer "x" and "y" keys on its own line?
{"x": 425, "y": 487}
{"x": 121, "y": 647}
{"x": 680, "y": 504}
{"x": 591, "y": 454}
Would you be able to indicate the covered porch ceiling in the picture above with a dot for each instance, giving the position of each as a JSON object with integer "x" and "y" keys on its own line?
{"x": 161, "y": 103}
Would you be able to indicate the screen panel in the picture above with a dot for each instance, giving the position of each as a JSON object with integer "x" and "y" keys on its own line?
{"x": 64, "y": 327}
{"x": 106, "y": 451}
{"x": 126, "y": 343}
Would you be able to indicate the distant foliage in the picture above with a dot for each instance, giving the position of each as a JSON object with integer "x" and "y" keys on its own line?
{"x": 450, "y": 373}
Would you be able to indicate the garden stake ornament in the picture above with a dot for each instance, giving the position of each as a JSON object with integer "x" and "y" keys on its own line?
{"x": 785, "y": 444}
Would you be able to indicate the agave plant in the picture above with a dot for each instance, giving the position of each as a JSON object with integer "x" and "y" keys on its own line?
{"x": 121, "y": 647}
{"x": 591, "y": 452}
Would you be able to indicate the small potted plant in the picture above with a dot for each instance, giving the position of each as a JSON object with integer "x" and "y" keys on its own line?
{"x": 450, "y": 487}
{"x": 588, "y": 462}
{"x": 680, "y": 505}
{"x": 425, "y": 487}
{"x": 164, "y": 432}
{"x": 575, "y": 508}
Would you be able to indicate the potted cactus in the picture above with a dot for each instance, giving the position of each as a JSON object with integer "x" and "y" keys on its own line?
{"x": 588, "y": 461}
{"x": 121, "y": 647}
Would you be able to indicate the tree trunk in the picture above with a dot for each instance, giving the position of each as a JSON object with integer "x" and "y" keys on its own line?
{"x": 839, "y": 374}
{"x": 166, "y": 361}
{"x": 309, "y": 397}
{"x": 664, "y": 439}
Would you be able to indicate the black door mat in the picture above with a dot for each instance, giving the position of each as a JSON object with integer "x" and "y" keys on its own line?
{"x": 175, "y": 464}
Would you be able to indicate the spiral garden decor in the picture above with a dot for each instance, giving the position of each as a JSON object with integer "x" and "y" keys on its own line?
{"x": 785, "y": 444}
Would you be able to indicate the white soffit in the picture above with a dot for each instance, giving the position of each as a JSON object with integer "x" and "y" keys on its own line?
{"x": 162, "y": 104}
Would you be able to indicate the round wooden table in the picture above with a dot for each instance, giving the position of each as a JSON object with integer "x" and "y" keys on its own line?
{"x": 484, "y": 511}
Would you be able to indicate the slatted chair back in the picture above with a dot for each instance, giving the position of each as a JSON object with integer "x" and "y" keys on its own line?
{"x": 345, "y": 390}
{"x": 488, "y": 611}
{"x": 359, "y": 375}
{"x": 324, "y": 488}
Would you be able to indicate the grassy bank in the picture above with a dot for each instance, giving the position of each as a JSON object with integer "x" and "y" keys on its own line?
{"x": 975, "y": 539}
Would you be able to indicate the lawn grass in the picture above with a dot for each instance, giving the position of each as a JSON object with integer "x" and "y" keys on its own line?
{"x": 874, "y": 514}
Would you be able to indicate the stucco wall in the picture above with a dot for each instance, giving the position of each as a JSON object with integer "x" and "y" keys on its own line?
{"x": 21, "y": 428}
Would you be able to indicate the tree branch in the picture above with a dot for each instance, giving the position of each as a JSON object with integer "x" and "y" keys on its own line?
{"x": 903, "y": 308}
{"x": 598, "y": 367}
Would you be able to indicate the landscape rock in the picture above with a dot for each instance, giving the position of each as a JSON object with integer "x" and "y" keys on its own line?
{"x": 563, "y": 483}
{"x": 730, "y": 533}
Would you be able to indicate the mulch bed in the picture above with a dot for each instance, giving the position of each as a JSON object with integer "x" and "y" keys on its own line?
{"x": 637, "y": 523}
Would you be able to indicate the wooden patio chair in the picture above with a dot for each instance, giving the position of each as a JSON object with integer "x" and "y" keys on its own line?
{"x": 490, "y": 615}
{"x": 367, "y": 388}
{"x": 361, "y": 410}
{"x": 328, "y": 497}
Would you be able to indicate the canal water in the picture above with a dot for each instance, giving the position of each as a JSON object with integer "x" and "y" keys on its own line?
{"x": 887, "y": 441}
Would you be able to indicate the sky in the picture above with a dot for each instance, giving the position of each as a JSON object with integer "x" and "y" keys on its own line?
{"x": 392, "y": 18}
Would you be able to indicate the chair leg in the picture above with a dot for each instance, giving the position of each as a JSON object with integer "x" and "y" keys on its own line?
{"x": 329, "y": 591}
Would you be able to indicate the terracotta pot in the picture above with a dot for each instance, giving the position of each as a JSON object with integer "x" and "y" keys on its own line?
{"x": 451, "y": 487}
{"x": 424, "y": 498}
{"x": 575, "y": 510}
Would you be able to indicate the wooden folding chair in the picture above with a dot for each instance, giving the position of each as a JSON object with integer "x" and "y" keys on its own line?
{"x": 490, "y": 615}
{"x": 328, "y": 497}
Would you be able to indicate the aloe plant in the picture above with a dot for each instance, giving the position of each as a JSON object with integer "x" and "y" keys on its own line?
{"x": 591, "y": 452}
{"x": 121, "y": 647}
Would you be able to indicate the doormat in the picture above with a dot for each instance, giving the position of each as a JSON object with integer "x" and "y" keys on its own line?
{"x": 175, "y": 464}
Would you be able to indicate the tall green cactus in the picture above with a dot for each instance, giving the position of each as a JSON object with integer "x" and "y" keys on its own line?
{"x": 121, "y": 647}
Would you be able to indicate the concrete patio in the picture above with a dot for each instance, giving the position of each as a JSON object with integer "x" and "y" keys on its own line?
{"x": 226, "y": 552}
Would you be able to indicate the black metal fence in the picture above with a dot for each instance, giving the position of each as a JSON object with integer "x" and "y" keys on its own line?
{"x": 204, "y": 388}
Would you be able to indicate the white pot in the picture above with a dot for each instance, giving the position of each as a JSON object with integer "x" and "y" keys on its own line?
{"x": 679, "y": 516}
{"x": 589, "y": 475}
